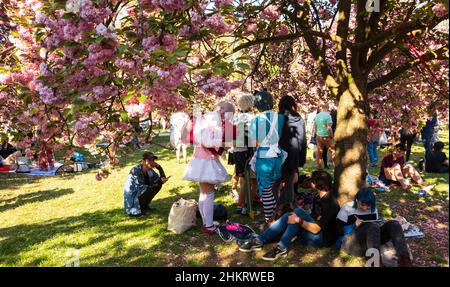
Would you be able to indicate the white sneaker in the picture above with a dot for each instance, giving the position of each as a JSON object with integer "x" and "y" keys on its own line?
{"x": 429, "y": 187}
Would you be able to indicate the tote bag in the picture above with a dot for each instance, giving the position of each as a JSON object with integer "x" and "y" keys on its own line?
{"x": 182, "y": 215}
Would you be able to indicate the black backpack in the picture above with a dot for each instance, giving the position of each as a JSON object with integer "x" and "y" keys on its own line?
{"x": 220, "y": 212}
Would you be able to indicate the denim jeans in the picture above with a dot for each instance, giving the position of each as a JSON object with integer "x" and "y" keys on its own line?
{"x": 372, "y": 150}
{"x": 291, "y": 230}
{"x": 427, "y": 144}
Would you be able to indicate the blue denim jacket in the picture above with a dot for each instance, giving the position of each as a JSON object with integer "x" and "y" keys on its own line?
{"x": 135, "y": 186}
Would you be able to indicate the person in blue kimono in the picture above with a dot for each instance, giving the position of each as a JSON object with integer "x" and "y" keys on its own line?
{"x": 142, "y": 184}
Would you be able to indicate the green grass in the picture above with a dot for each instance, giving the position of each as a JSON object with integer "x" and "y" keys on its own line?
{"x": 42, "y": 219}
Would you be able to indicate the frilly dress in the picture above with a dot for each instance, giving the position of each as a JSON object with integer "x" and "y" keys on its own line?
{"x": 205, "y": 165}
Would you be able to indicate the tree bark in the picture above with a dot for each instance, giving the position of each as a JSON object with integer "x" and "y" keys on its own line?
{"x": 351, "y": 139}
{"x": 150, "y": 129}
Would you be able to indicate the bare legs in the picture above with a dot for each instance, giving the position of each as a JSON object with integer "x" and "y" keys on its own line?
{"x": 401, "y": 174}
{"x": 321, "y": 143}
{"x": 182, "y": 147}
{"x": 254, "y": 189}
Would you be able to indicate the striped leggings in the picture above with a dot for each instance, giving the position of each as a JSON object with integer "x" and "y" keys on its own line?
{"x": 269, "y": 201}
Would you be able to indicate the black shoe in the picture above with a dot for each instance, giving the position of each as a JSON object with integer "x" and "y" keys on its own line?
{"x": 274, "y": 254}
{"x": 421, "y": 165}
{"x": 147, "y": 209}
{"x": 250, "y": 246}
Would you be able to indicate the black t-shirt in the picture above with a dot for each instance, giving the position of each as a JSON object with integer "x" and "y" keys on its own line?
{"x": 434, "y": 161}
{"x": 324, "y": 211}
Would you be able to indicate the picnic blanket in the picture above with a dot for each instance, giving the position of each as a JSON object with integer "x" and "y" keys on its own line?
{"x": 51, "y": 172}
{"x": 409, "y": 230}
{"x": 375, "y": 183}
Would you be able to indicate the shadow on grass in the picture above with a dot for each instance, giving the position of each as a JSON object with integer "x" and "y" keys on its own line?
{"x": 38, "y": 196}
{"x": 14, "y": 180}
{"x": 105, "y": 225}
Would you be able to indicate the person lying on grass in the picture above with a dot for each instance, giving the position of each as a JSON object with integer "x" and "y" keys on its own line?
{"x": 359, "y": 230}
{"x": 142, "y": 184}
{"x": 317, "y": 229}
{"x": 395, "y": 171}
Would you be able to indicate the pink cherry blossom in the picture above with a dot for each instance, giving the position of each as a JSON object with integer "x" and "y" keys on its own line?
{"x": 271, "y": 13}
{"x": 217, "y": 24}
{"x": 223, "y": 3}
{"x": 440, "y": 10}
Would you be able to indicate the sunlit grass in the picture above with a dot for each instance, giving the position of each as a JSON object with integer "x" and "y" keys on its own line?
{"x": 41, "y": 219}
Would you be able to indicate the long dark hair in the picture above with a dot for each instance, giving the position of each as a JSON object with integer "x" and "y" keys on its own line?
{"x": 287, "y": 105}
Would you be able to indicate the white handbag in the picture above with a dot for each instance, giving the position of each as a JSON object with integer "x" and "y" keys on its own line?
{"x": 383, "y": 139}
{"x": 22, "y": 165}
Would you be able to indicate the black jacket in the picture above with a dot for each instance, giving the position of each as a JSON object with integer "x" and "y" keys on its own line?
{"x": 293, "y": 141}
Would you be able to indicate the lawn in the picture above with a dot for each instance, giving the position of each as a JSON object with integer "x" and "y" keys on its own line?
{"x": 42, "y": 221}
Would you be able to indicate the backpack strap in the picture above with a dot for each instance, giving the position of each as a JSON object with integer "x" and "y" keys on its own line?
{"x": 274, "y": 149}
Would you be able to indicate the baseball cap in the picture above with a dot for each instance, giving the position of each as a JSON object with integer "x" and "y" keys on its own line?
{"x": 149, "y": 155}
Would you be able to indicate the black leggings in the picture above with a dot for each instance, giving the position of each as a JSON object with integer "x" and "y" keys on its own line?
{"x": 325, "y": 157}
{"x": 408, "y": 141}
{"x": 287, "y": 194}
{"x": 371, "y": 235}
{"x": 148, "y": 195}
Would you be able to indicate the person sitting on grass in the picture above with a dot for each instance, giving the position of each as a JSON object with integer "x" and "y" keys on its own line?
{"x": 317, "y": 229}
{"x": 11, "y": 161}
{"x": 359, "y": 231}
{"x": 436, "y": 160}
{"x": 142, "y": 184}
{"x": 395, "y": 171}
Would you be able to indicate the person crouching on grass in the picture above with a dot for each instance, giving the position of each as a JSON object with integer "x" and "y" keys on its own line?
{"x": 317, "y": 229}
{"x": 142, "y": 184}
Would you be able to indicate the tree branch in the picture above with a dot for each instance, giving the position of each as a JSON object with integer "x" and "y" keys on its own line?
{"x": 379, "y": 54}
{"x": 344, "y": 7}
{"x": 403, "y": 28}
{"x": 359, "y": 55}
{"x": 436, "y": 54}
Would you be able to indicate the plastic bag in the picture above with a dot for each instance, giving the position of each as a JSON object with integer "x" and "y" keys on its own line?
{"x": 182, "y": 215}
{"x": 383, "y": 139}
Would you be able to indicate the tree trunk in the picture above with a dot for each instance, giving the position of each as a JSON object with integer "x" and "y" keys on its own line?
{"x": 150, "y": 129}
{"x": 351, "y": 140}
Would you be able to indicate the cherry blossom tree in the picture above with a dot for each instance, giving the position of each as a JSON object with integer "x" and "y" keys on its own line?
{"x": 85, "y": 71}
{"x": 382, "y": 54}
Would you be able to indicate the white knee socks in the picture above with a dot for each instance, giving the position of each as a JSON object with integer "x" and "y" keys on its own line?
{"x": 206, "y": 207}
{"x": 178, "y": 152}
{"x": 184, "y": 147}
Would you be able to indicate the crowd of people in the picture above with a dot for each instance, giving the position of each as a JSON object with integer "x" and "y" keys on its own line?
{"x": 271, "y": 146}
